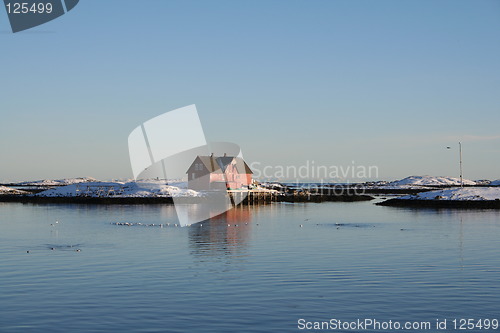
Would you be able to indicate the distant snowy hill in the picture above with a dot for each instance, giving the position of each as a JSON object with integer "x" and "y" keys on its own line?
{"x": 462, "y": 194}
{"x": 429, "y": 181}
{"x": 495, "y": 182}
{"x": 150, "y": 188}
{"x": 58, "y": 182}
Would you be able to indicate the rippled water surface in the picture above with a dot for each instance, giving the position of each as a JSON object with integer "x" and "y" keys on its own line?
{"x": 261, "y": 273}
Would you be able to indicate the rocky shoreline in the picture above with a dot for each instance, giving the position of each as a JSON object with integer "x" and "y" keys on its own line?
{"x": 467, "y": 204}
{"x": 262, "y": 199}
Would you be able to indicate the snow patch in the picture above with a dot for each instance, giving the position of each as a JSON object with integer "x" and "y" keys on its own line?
{"x": 143, "y": 189}
{"x": 10, "y": 191}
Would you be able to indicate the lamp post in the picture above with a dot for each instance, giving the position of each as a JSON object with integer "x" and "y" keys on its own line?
{"x": 461, "y": 169}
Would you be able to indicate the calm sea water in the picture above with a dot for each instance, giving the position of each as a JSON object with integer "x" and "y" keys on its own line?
{"x": 349, "y": 261}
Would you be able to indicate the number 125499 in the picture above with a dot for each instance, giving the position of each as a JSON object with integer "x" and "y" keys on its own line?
{"x": 475, "y": 324}
{"x": 25, "y": 8}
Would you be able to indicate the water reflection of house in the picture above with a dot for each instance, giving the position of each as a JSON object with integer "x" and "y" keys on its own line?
{"x": 227, "y": 233}
{"x": 217, "y": 173}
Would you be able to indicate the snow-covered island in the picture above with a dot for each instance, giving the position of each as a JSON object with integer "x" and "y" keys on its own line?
{"x": 465, "y": 193}
{"x": 419, "y": 182}
{"x": 117, "y": 189}
{"x": 90, "y": 190}
{"x": 466, "y": 197}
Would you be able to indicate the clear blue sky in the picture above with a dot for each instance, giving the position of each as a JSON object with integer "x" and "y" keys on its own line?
{"x": 385, "y": 83}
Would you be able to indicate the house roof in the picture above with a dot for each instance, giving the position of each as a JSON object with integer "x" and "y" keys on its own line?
{"x": 210, "y": 163}
{"x": 242, "y": 166}
{"x": 219, "y": 164}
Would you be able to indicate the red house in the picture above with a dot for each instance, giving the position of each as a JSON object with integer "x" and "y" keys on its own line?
{"x": 211, "y": 173}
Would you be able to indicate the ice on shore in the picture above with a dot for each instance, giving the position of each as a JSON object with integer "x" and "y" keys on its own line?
{"x": 462, "y": 194}
{"x": 10, "y": 191}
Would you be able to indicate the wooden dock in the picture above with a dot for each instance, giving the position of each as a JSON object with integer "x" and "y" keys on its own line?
{"x": 259, "y": 197}
{"x": 254, "y": 197}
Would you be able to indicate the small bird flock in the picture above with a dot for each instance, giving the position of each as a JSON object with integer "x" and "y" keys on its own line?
{"x": 134, "y": 224}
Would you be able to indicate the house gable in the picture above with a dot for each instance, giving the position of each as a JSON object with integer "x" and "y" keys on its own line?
{"x": 231, "y": 171}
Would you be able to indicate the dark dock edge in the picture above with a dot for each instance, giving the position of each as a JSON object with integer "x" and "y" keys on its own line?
{"x": 86, "y": 200}
{"x": 326, "y": 198}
